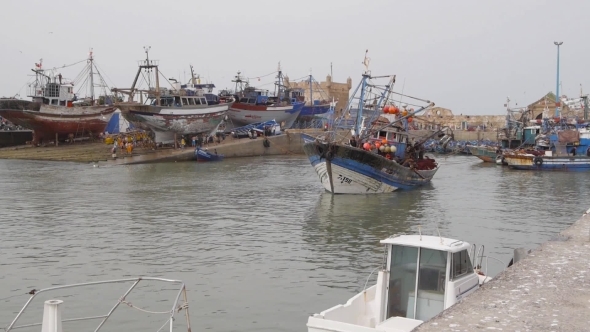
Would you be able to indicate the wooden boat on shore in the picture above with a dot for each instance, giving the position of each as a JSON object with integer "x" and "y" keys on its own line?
{"x": 55, "y": 111}
{"x": 169, "y": 112}
{"x": 255, "y": 105}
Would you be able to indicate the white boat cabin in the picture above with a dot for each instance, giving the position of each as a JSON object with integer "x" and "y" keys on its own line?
{"x": 52, "y": 93}
{"x": 423, "y": 276}
{"x": 180, "y": 96}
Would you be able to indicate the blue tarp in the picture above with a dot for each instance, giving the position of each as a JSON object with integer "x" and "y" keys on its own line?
{"x": 118, "y": 124}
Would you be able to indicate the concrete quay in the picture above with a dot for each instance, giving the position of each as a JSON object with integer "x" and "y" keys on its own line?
{"x": 291, "y": 142}
{"x": 549, "y": 290}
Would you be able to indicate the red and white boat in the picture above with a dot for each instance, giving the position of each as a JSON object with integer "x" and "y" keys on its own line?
{"x": 254, "y": 105}
{"x": 54, "y": 111}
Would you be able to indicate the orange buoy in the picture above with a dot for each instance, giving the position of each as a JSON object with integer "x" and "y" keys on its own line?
{"x": 386, "y": 109}
{"x": 404, "y": 113}
{"x": 395, "y": 110}
{"x": 377, "y": 145}
{"x": 410, "y": 119}
{"x": 384, "y": 141}
{"x": 367, "y": 146}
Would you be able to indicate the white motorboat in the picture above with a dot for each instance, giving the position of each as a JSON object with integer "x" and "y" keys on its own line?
{"x": 422, "y": 276}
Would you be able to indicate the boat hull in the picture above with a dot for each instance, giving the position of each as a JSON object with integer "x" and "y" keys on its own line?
{"x": 315, "y": 110}
{"x": 242, "y": 114}
{"x": 168, "y": 121}
{"x": 48, "y": 121}
{"x": 484, "y": 153}
{"x": 348, "y": 170}
{"x": 548, "y": 163}
{"x": 202, "y": 155}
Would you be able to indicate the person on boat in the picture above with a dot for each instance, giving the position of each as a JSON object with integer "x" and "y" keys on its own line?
{"x": 574, "y": 152}
{"x": 182, "y": 143}
{"x": 353, "y": 142}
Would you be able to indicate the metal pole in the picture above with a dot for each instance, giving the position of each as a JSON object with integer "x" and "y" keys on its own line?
{"x": 557, "y": 103}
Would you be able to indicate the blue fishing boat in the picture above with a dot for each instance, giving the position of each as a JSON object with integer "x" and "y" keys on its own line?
{"x": 381, "y": 158}
{"x": 268, "y": 128}
{"x": 312, "y": 107}
{"x": 560, "y": 149}
{"x": 205, "y": 155}
{"x": 561, "y": 144}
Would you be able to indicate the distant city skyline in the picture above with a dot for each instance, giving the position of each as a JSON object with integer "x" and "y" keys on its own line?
{"x": 463, "y": 55}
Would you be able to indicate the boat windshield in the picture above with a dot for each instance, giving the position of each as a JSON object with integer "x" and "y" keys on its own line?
{"x": 408, "y": 274}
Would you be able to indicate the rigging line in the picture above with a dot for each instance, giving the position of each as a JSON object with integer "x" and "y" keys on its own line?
{"x": 302, "y": 79}
{"x": 274, "y": 72}
{"x": 100, "y": 75}
{"x": 65, "y": 66}
{"x": 21, "y": 88}
{"x": 160, "y": 72}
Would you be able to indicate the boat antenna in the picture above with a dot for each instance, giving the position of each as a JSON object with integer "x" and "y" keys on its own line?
{"x": 420, "y": 231}
{"x": 147, "y": 62}
{"x": 438, "y": 231}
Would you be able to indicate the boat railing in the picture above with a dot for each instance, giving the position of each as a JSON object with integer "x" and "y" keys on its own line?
{"x": 176, "y": 307}
{"x": 485, "y": 264}
{"x": 369, "y": 277}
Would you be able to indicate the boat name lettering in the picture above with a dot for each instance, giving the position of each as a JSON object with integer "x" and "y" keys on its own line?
{"x": 344, "y": 179}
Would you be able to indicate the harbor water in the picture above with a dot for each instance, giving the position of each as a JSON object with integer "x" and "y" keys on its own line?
{"x": 257, "y": 241}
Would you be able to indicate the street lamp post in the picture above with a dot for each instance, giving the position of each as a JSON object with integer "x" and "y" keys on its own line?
{"x": 557, "y": 102}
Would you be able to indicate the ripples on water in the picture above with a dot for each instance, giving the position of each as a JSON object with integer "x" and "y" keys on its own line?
{"x": 258, "y": 242}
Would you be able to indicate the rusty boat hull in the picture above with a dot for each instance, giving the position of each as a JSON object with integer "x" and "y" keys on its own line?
{"x": 166, "y": 122}
{"x": 47, "y": 121}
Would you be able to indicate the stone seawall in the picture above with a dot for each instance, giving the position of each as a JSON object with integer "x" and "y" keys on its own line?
{"x": 549, "y": 290}
{"x": 461, "y": 135}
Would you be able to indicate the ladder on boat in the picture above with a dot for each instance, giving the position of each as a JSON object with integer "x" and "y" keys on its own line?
{"x": 79, "y": 130}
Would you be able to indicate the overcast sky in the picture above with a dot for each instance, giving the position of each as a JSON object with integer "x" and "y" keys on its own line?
{"x": 464, "y": 55}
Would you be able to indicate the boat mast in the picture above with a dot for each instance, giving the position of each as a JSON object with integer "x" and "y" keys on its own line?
{"x": 90, "y": 59}
{"x": 310, "y": 90}
{"x": 557, "y": 99}
{"x": 279, "y": 83}
{"x": 359, "y": 115}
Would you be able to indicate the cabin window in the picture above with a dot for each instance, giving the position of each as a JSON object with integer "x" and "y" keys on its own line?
{"x": 53, "y": 101}
{"x": 203, "y": 101}
{"x": 177, "y": 101}
{"x": 402, "y": 281}
{"x": 431, "y": 284}
{"x": 197, "y": 101}
{"x": 184, "y": 101}
{"x": 461, "y": 265}
{"x": 191, "y": 101}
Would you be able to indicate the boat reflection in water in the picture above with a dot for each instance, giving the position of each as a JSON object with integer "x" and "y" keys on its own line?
{"x": 343, "y": 232}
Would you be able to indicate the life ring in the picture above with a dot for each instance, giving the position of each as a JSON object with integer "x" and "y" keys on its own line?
{"x": 538, "y": 161}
